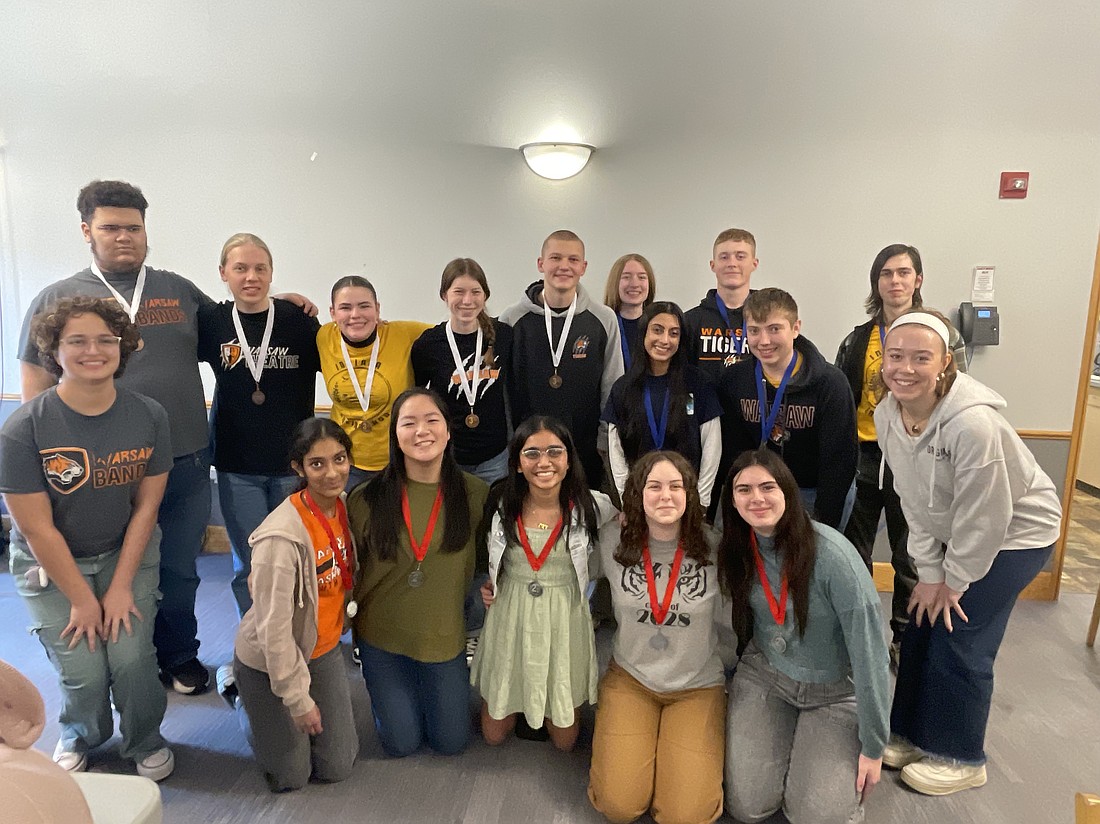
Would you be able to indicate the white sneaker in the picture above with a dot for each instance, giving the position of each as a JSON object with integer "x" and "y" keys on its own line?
{"x": 934, "y": 776}
{"x": 900, "y": 752}
{"x": 158, "y": 765}
{"x": 73, "y": 759}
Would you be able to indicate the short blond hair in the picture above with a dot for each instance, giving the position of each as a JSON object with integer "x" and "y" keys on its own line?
{"x": 562, "y": 234}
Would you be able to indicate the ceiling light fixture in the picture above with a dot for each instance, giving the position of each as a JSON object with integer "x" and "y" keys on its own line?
{"x": 556, "y": 161}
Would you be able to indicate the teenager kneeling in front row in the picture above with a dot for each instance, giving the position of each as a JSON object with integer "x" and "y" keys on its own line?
{"x": 808, "y": 702}
{"x": 660, "y": 723}
{"x": 538, "y": 653}
{"x": 414, "y": 526}
{"x": 290, "y": 673}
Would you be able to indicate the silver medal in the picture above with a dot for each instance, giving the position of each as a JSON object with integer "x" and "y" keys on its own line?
{"x": 352, "y": 609}
{"x": 534, "y": 588}
{"x": 416, "y": 578}
{"x": 659, "y": 641}
{"x": 779, "y": 644}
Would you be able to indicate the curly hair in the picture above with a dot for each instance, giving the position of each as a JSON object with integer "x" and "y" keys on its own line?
{"x": 47, "y": 327}
{"x": 109, "y": 193}
{"x": 635, "y": 531}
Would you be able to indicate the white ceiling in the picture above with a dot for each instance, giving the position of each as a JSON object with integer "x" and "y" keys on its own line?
{"x": 503, "y": 72}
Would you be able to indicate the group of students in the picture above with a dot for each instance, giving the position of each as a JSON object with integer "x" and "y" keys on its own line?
{"x": 726, "y": 406}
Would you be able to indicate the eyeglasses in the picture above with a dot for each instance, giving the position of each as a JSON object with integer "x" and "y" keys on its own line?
{"x": 533, "y": 453}
{"x": 83, "y": 342}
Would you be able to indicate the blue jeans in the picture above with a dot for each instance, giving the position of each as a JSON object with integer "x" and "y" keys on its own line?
{"x": 809, "y": 499}
{"x": 945, "y": 679}
{"x": 126, "y": 667}
{"x": 184, "y": 514}
{"x": 245, "y": 501}
{"x": 413, "y": 701}
{"x": 491, "y": 470}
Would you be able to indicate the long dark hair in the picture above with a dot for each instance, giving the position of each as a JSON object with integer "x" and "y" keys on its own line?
{"x": 383, "y": 492}
{"x": 635, "y": 425}
{"x": 635, "y": 531}
{"x": 510, "y": 492}
{"x": 873, "y": 303}
{"x": 309, "y": 432}
{"x": 795, "y": 541}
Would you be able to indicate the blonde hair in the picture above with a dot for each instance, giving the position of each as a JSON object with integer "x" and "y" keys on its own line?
{"x": 611, "y": 291}
{"x": 244, "y": 239}
{"x": 949, "y": 373}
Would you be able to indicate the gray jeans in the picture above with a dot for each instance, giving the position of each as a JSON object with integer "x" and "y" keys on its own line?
{"x": 290, "y": 758}
{"x": 790, "y": 744}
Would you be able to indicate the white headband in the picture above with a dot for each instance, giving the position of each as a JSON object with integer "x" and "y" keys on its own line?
{"x": 925, "y": 319}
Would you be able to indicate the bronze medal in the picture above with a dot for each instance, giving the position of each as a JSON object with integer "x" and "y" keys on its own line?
{"x": 258, "y": 397}
{"x": 555, "y": 381}
{"x": 472, "y": 420}
{"x": 366, "y": 426}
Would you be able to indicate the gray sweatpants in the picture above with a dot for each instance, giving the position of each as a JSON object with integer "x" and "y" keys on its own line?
{"x": 288, "y": 757}
{"x": 790, "y": 744}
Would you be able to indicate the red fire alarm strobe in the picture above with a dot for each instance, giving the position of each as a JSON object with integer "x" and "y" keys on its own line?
{"x": 1014, "y": 184}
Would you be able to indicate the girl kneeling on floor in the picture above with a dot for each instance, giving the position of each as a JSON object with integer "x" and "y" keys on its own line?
{"x": 660, "y": 722}
{"x": 414, "y": 525}
{"x": 537, "y": 654}
{"x": 808, "y": 703}
{"x": 291, "y": 675}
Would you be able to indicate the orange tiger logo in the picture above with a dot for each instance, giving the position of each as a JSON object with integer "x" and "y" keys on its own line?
{"x": 65, "y": 469}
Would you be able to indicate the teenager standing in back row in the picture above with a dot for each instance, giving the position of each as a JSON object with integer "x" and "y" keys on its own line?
{"x": 566, "y": 351}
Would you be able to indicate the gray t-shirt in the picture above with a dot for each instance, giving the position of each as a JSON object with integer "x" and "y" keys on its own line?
{"x": 691, "y": 659}
{"x": 167, "y": 368}
{"x": 90, "y": 466}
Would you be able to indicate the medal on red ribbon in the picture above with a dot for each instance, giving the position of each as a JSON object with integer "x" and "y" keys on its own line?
{"x": 536, "y": 561}
{"x": 778, "y": 608}
{"x": 339, "y": 554}
{"x": 420, "y": 549}
{"x": 660, "y": 608}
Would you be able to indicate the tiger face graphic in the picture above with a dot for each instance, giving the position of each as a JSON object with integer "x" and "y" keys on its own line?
{"x": 66, "y": 469}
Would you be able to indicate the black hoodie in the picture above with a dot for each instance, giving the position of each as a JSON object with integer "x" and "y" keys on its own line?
{"x": 817, "y": 421}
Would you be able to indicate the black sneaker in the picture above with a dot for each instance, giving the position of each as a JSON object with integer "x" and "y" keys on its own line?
{"x": 189, "y": 678}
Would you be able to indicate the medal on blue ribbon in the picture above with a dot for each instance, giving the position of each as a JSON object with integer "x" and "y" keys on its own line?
{"x": 740, "y": 344}
{"x": 657, "y": 429}
{"x": 623, "y": 342}
{"x": 768, "y": 416}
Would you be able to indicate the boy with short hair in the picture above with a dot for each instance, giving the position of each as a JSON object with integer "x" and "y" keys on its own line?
{"x": 565, "y": 349}
{"x": 795, "y": 402}
{"x": 715, "y": 331}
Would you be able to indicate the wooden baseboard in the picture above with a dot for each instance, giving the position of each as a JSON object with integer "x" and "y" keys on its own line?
{"x": 216, "y": 541}
{"x": 1041, "y": 589}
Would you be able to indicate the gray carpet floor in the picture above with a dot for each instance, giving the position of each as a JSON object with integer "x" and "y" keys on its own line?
{"x": 1043, "y": 742}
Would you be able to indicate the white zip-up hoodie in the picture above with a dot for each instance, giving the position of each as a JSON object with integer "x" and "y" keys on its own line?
{"x": 581, "y": 544}
{"x": 967, "y": 481}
